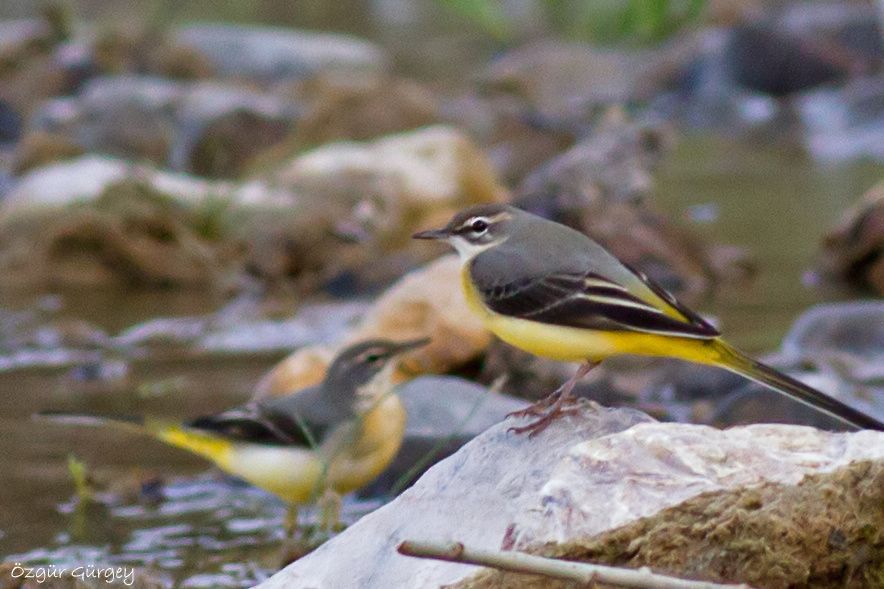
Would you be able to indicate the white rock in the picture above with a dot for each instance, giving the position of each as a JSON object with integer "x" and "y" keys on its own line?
{"x": 63, "y": 184}
{"x": 269, "y": 52}
{"x": 436, "y": 164}
{"x": 649, "y": 467}
{"x": 146, "y": 93}
{"x": 317, "y": 323}
{"x": 582, "y": 476}
{"x": 82, "y": 180}
{"x": 844, "y": 123}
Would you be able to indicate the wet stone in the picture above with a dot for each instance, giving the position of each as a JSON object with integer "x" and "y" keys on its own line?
{"x": 853, "y": 249}
{"x": 268, "y": 53}
{"x": 213, "y": 129}
{"x": 856, "y": 328}
{"x": 844, "y": 123}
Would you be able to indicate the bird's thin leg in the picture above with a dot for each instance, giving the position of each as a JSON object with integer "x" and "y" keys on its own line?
{"x": 560, "y": 397}
{"x": 331, "y": 511}
{"x": 537, "y": 408}
{"x": 291, "y": 521}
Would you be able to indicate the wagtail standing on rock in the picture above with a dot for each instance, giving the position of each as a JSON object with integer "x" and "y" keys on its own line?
{"x": 550, "y": 290}
{"x": 337, "y": 435}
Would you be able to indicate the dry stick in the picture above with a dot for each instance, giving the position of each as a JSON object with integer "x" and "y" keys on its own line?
{"x": 519, "y": 562}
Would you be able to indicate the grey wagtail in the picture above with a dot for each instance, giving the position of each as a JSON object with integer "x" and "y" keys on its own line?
{"x": 552, "y": 291}
{"x": 339, "y": 434}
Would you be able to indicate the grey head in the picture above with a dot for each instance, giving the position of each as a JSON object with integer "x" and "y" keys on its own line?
{"x": 477, "y": 228}
{"x": 358, "y": 364}
{"x": 334, "y": 400}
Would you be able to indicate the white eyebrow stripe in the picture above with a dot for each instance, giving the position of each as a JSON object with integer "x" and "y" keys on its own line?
{"x": 502, "y": 216}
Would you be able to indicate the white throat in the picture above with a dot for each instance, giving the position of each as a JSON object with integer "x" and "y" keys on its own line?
{"x": 466, "y": 250}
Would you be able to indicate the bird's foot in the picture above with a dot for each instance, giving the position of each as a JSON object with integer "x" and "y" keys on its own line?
{"x": 558, "y": 403}
{"x": 532, "y": 410}
{"x": 557, "y": 411}
{"x": 540, "y": 407}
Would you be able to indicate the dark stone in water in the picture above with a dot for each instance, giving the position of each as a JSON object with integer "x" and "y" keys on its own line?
{"x": 765, "y": 59}
{"x": 10, "y": 124}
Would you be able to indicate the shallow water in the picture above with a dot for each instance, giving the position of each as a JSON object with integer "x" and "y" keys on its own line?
{"x": 773, "y": 200}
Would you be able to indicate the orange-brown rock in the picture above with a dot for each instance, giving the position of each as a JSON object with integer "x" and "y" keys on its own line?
{"x": 428, "y": 302}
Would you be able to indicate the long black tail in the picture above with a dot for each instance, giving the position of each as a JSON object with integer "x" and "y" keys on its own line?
{"x": 735, "y": 361}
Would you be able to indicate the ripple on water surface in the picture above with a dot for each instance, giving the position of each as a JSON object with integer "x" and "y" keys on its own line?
{"x": 209, "y": 531}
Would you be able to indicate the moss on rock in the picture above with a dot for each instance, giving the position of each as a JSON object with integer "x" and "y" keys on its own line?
{"x": 827, "y": 531}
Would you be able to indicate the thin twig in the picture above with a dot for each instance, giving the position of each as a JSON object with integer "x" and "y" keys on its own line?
{"x": 519, "y": 562}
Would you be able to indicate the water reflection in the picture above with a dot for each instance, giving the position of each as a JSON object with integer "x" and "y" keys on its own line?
{"x": 234, "y": 531}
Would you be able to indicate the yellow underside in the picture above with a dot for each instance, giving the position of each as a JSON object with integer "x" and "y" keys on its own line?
{"x": 300, "y": 475}
{"x": 571, "y": 344}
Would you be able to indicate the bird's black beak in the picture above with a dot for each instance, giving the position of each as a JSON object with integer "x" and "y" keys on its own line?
{"x": 432, "y": 234}
{"x": 401, "y": 347}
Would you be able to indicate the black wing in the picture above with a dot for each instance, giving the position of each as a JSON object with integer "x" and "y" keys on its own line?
{"x": 258, "y": 423}
{"x": 592, "y": 301}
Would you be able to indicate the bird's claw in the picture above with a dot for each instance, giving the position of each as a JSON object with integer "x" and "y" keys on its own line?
{"x": 538, "y": 425}
{"x": 537, "y": 408}
{"x": 532, "y": 410}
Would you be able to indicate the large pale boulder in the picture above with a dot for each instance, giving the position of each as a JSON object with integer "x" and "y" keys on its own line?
{"x": 599, "y": 471}
{"x": 401, "y": 182}
{"x": 362, "y": 201}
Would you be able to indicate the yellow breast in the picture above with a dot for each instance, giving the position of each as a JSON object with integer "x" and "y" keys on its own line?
{"x": 381, "y": 436}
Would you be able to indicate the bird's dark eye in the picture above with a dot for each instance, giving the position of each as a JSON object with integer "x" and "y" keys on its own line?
{"x": 479, "y": 225}
{"x": 373, "y": 358}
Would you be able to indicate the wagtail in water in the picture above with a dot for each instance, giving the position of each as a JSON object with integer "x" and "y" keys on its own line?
{"x": 552, "y": 291}
{"x": 338, "y": 435}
